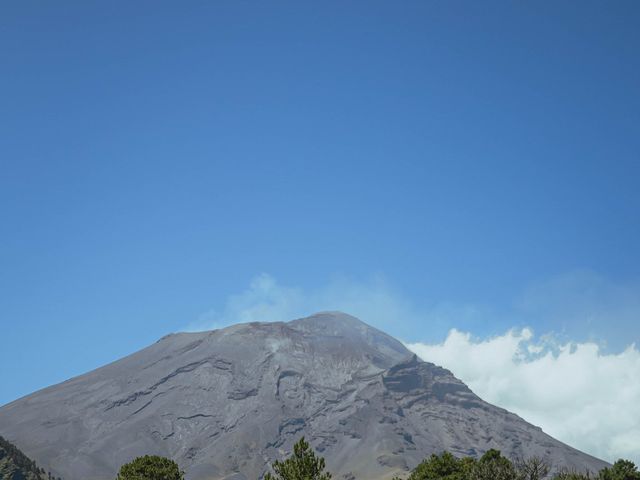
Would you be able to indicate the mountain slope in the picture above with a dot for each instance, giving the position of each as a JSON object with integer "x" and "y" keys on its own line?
{"x": 227, "y": 402}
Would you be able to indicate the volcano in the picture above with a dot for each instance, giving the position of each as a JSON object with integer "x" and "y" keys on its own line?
{"x": 225, "y": 403}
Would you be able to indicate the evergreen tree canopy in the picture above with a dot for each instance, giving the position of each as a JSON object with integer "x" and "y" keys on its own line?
{"x": 621, "y": 470}
{"x": 493, "y": 466}
{"x": 15, "y": 465}
{"x": 150, "y": 467}
{"x": 443, "y": 467}
{"x": 302, "y": 465}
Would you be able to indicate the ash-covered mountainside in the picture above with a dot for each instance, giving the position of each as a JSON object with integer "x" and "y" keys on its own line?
{"x": 225, "y": 403}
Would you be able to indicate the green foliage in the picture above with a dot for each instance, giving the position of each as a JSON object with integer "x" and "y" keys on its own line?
{"x": 444, "y": 467}
{"x": 493, "y": 466}
{"x": 15, "y": 465}
{"x": 302, "y": 465}
{"x": 150, "y": 467}
{"x": 621, "y": 470}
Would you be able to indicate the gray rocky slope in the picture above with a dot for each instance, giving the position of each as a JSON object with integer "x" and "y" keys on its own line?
{"x": 227, "y": 402}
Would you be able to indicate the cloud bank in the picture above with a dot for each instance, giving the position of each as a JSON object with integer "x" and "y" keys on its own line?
{"x": 576, "y": 393}
{"x": 564, "y": 382}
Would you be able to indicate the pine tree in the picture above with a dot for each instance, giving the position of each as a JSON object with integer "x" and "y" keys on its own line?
{"x": 150, "y": 467}
{"x": 302, "y": 465}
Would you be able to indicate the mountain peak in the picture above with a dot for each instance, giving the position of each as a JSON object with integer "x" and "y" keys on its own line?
{"x": 333, "y": 323}
{"x": 330, "y": 316}
{"x": 230, "y": 401}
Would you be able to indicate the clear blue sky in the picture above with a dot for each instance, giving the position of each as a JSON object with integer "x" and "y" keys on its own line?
{"x": 156, "y": 156}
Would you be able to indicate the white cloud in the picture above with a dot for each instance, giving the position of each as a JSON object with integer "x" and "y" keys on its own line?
{"x": 574, "y": 391}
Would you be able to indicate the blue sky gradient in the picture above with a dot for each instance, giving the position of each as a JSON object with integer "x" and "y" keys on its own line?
{"x": 481, "y": 157}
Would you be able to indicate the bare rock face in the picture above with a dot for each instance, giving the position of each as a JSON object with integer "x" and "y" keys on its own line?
{"x": 226, "y": 403}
